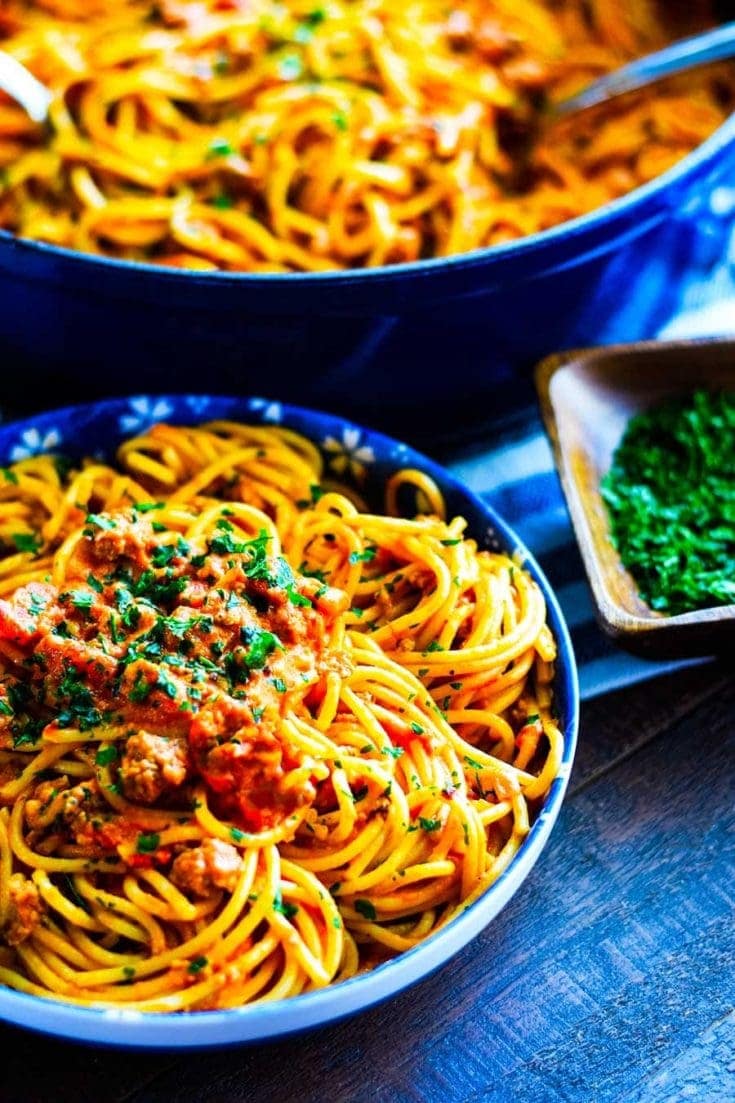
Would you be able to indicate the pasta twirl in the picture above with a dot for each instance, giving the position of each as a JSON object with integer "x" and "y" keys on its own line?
{"x": 315, "y": 135}
{"x": 254, "y": 739}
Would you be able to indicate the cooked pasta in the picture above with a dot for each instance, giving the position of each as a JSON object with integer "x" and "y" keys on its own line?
{"x": 260, "y": 136}
{"x": 254, "y": 739}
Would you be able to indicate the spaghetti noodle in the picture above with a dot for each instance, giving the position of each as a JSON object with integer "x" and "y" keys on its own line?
{"x": 253, "y": 738}
{"x": 252, "y": 135}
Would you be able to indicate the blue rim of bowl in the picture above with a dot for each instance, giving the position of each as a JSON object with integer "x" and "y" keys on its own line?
{"x": 573, "y": 228}
{"x": 119, "y": 1027}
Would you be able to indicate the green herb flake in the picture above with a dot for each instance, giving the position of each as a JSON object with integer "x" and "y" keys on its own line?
{"x": 80, "y": 599}
{"x": 219, "y": 147}
{"x": 298, "y": 599}
{"x": 288, "y": 910}
{"x": 106, "y": 754}
{"x": 148, "y": 843}
{"x": 166, "y": 685}
{"x": 670, "y": 494}
{"x": 366, "y": 909}
{"x": 26, "y": 542}
{"x": 198, "y": 964}
{"x": 363, "y": 556}
{"x": 105, "y": 524}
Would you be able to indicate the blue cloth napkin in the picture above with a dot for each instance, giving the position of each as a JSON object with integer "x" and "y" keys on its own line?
{"x": 518, "y": 477}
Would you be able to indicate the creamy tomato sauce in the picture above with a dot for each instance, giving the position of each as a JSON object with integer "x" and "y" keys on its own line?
{"x": 197, "y": 649}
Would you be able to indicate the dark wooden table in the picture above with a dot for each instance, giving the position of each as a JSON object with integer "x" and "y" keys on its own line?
{"x": 609, "y": 977}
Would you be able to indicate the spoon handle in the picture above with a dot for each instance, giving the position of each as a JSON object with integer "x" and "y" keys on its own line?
{"x": 687, "y": 53}
{"x": 22, "y": 86}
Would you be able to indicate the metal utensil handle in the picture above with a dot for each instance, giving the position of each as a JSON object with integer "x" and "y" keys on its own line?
{"x": 700, "y": 49}
{"x": 23, "y": 87}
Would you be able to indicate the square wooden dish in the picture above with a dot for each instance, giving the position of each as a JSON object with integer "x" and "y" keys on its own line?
{"x": 587, "y": 398}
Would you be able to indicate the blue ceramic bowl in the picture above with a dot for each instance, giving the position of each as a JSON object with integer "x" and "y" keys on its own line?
{"x": 98, "y": 429}
{"x": 89, "y": 327}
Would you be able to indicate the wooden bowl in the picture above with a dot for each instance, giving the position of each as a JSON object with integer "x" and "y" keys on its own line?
{"x": 587, "y": 398}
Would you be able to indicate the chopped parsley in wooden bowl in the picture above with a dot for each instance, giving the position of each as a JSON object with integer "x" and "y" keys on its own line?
{"x": 670, "y": 494}
{"x": 644, "y": 441}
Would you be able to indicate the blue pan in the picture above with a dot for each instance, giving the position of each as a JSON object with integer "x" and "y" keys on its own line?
{"x": 451, "y": 335}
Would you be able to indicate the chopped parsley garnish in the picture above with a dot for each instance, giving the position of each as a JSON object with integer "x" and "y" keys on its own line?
{"x": 30, "y": 732}
{"x": 159, "y": 591}
{"x": 260, "y": 644}
{"x": 289, "y": 910}
{"x": 670, "y": 494}
{"x": 298, "y": 599}
{"x": 140, "y": 689}
{"x": 101, "y": 522}
{"x": 146, "y": 507}
{"x": 360, "y": 794}
{"x": 429, "y": 825}
{"x": 106, "y": 754}
{"x": 147, "y": 843}
{"x": 365, "y": 908}
{"x": 450, "y": 543}
{"x": 236, "y": 834}
{"x": 80, "y": 599}
{"x": 79, "y": 710}
{"x": 26, "y": 542}
{"x": 363, "y": 556}
{"x": 9, "y": 476}
{"x": 164, "y": 553}
{"x": 416, "y": 728}
{"x": 198, "y": 964}
{"x": 129, "y": 611}
{"x": 279, "y": 684}
{"x": 219, "y": 147}
{"x": 164, "y": 683}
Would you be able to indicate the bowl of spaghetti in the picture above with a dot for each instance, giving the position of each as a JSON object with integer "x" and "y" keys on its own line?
{"x": 342, "y": 191}
{"x": 286, "y": 717}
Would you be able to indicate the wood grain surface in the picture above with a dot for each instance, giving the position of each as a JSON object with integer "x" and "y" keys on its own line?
{"x": 609, "y": 977}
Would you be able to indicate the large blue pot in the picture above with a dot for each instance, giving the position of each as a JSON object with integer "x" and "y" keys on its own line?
{"x": 414, "y": 346}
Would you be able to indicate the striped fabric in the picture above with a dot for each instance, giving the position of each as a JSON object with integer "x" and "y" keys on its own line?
{"x": 519, "y": 480}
